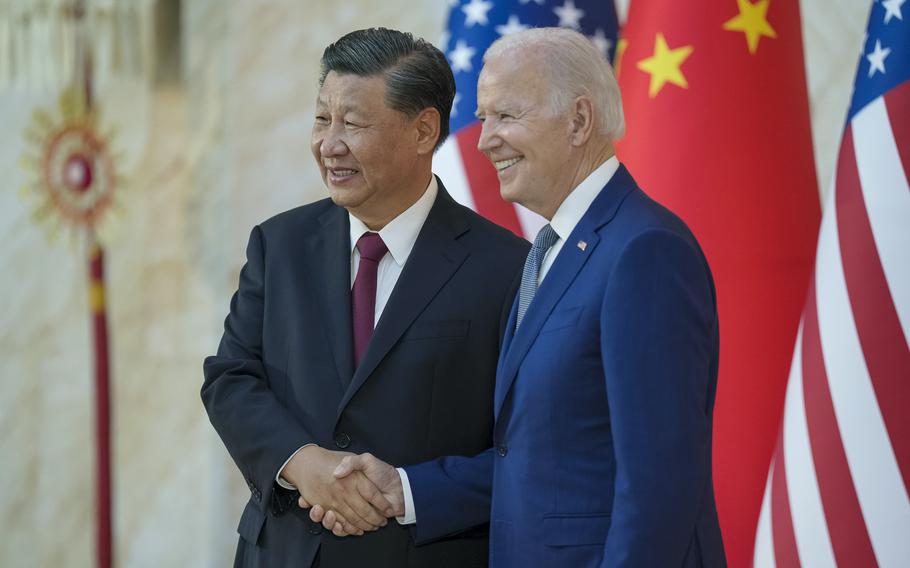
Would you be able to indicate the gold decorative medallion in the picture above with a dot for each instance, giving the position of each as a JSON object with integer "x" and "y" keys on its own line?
{"x": 73, "y": 170}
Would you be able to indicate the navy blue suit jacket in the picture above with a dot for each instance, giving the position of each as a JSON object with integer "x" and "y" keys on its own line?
{"x": 603, "y": 408}
{"x": 284, "y": 374}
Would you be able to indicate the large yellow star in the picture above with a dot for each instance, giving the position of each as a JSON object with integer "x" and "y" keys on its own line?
{"x": 664, "y": 65}
{"x": 752, "y": 20}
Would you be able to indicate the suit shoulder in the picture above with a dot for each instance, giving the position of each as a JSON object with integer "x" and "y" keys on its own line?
{"x": 296, "y": 219}
{"x": 487, "y": 234}
{"x": 643, "y": 215}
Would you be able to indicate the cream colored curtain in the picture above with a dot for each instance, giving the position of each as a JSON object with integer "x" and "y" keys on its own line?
{"x": 39, "y": 39}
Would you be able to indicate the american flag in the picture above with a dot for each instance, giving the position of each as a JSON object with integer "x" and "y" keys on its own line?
{"x": 472, "y": 26}
{"x": 837, "y": 490}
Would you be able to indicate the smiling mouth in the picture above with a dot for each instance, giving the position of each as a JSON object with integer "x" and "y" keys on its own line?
{"x": 504, "y": 164}
{"x": 341, "y": 173}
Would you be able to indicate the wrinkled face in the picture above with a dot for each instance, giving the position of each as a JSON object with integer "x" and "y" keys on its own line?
{"x": 525, "y": 139}
{"x": 365, "y": 150}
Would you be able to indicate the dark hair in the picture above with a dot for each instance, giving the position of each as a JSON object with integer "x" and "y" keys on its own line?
{"x": 417, "y": 75}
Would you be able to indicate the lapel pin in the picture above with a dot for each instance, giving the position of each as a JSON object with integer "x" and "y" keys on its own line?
{"x": 582, "y": 245}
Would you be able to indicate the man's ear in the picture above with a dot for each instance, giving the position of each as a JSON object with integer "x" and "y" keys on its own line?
{"x": 427, "y": 126}
{"x": 582, "y": 114}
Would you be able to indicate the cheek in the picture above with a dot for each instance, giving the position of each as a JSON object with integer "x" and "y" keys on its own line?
{"x": 315, "y": 144}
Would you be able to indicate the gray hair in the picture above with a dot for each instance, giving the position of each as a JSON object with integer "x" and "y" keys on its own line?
{"x": 417, "y": 75}
{"x": 576, "y": 68}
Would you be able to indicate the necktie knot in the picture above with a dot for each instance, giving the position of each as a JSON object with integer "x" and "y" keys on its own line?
{"x": 371, "y": 247}
{"x": 546, "y": 238}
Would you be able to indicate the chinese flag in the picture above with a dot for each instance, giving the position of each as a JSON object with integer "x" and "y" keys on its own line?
{"x": 718, "y": 131}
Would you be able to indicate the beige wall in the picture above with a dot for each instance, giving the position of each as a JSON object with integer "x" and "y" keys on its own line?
{"x": 204, "y": 161}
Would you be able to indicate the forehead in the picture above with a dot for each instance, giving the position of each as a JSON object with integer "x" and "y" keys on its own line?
{"x": 511, "y": 78}
{"x": 347, "y": 91}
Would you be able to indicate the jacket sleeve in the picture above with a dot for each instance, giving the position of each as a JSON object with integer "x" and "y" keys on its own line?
{"x": 658, "y": 344}
{"x": 451, "y": 494}
{"x": 258, "y": 431}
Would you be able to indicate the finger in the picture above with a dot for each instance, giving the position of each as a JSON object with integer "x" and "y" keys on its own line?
{"x": 316, "y": 513}
{"x": 302, "y": 503}
{"x": 347, "y": 465}
{"x": 338, "y": 530}
{"x": 353, "y": 523}
{"x": 374, "y": 497}
{"x": 362, "y": 507}
{"x": 329, "y": 520}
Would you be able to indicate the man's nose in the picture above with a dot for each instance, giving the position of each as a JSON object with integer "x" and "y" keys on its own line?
{"x": 333, "y": 143}
{"x": 488, "y": 140}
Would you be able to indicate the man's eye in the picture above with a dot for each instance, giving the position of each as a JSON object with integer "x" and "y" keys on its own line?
{"x": 351, "y": 124}
{"x": 322, "y": 120}
{"x": 504, "y": 116}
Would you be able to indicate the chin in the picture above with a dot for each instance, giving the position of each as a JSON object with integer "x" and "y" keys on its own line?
{"x": 510, "y": 193}
{"x": 344, "y": 197}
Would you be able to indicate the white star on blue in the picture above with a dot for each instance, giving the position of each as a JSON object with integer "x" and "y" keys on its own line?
{"x": 885, "y": 61}
{"x": 475, "y": 24}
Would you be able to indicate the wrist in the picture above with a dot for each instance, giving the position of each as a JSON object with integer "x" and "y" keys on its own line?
{"x": 294, "y": 471}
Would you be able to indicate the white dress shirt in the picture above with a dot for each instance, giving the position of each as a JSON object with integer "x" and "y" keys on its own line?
{"x": 399, "y": 235}
{"x": 567, "y": 216}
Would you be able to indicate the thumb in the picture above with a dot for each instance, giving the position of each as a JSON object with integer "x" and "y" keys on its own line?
{"x": 347, "y": 465}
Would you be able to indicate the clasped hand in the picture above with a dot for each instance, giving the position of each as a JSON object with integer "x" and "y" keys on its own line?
{"x": 356, "y": 503}
{"x": 377, "y": 483}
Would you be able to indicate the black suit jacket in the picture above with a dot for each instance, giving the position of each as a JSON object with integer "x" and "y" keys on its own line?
{"x": 284, "y": 374}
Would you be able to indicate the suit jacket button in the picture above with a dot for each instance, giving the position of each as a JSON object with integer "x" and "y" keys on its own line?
{"x": 342, "y": 440}
{"x": 314, "y": 528}
{"x": 502, "y": 451}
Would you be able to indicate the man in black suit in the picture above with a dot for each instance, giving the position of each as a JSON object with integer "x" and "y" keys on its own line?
{"x": 368, "y": 322}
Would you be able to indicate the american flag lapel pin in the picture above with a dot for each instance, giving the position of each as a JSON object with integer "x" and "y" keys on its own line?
{"x": 582, "y": 245}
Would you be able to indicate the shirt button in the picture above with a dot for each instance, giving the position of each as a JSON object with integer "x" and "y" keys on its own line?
{"x": 342, "y": 440}
{"x": 502, "y": 451}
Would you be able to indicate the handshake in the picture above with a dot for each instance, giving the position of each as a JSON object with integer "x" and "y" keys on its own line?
{"x": 349, "y": 494}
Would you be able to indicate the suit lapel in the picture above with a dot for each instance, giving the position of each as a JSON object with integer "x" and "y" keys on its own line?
{"x": 435, "y": 257}
{"x": 327, "y": 261}
{"x": 562, "y": 273}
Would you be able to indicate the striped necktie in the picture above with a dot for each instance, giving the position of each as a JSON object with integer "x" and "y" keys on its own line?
{"x": 545, "y": 239}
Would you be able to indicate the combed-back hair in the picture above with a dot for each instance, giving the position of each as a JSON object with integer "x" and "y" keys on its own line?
{"x": 575, "y": 67}
{"x": 417, "y": 75}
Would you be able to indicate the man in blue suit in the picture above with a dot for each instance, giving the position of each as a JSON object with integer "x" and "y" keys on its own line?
{"x": 606, "y": 381}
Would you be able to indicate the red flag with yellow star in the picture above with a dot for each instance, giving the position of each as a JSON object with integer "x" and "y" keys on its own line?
{"x": 718, "y": 131}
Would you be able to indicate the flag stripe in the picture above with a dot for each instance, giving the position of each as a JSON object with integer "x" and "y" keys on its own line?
{"x": 887, "y": 197}
{"x": 866, "y": 443}
{"x": 808, "y": 515}
{"x": 881, "y": 337}
{"x": 849, "y": 538}
{"x": 897, "y": 102}
{"x": 785, "y": 551}
{"x": 764, "y": 540}
{"x": 484, "y": 182}
{"x": 448, "y": 166}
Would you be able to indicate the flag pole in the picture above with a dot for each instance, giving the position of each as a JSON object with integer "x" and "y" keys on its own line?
{"x": 103, "y": 467}
{"x": 104, "y": 541}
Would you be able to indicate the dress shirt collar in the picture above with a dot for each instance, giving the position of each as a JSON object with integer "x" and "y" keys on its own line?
{"x": 400, "y": 234}
{"x": 576, "y": 204}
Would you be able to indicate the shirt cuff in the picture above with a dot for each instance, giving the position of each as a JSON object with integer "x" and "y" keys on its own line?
{"x": 410, "y": 515}
{"x": 280, "y": 480}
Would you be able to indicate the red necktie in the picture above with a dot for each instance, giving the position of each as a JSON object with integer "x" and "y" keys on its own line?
{"x": 363, "y": 294}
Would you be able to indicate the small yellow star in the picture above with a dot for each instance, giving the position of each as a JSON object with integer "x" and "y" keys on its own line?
{"x": 621, "y": 46}
{"x": 752, "y": 20}
{"x": 664, "y": 65}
